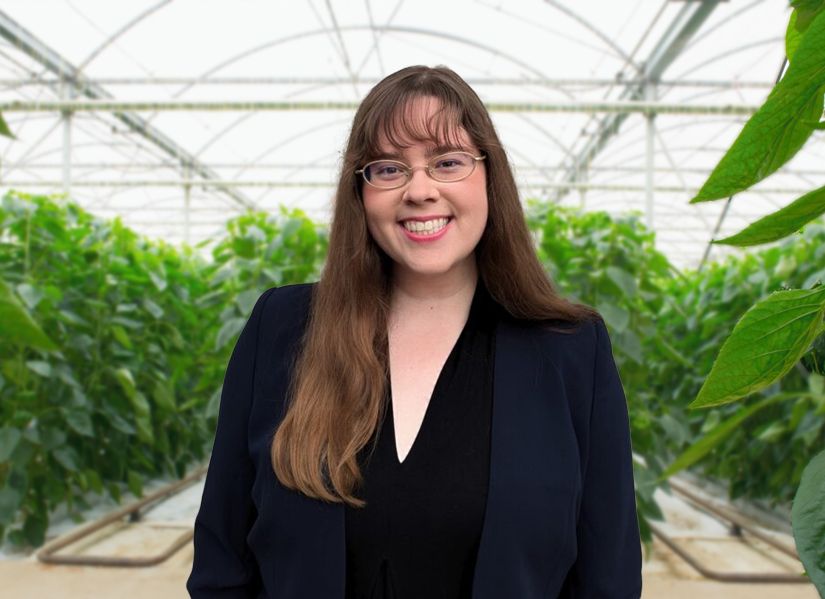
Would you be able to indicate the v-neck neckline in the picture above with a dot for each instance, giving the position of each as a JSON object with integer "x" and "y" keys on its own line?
{"x": 397, "y": 461}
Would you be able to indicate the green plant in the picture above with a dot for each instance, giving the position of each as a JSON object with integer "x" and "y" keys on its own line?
{"x": 114, "y": 347}
{"x": 612, "y": 264}
{"x": 777, "y": 332}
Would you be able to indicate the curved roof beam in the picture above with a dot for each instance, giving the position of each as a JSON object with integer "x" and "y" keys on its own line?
{"x": 57, "y": 64}
{"x": 731, "y": 52}
{"x": 382, "y": 28}
{"x": 709, "y": 30}
{"x": 282, "y": 142}
{"x": 598, "y": 33}
{"x": 326, "y": 31}
{"x": 126, "y": 27}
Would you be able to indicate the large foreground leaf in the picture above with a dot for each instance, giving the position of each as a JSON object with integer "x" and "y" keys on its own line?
{"x": 780, "y": 127}
{"x": 808, "y": 518}
{"x": 781, "y": 223}
{"x": 765, "y": 344}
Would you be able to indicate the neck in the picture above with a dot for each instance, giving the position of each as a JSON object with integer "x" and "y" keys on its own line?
{"x": 414, "y": 291}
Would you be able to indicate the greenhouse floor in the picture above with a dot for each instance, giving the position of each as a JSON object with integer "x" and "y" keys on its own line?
{"x": 666, "y": 575}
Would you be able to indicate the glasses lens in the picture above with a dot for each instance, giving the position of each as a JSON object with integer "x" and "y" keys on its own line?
{"x": 452, "y": 167}
{"x": 385, "y": 173}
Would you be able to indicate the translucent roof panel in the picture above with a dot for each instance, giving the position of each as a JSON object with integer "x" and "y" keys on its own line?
{"x": 224, "y": 106}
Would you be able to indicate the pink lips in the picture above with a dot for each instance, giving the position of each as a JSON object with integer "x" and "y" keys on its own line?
{"x": 422, "y": 238}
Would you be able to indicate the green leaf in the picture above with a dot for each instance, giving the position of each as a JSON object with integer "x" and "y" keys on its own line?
{"x": 781, "y": 223}
{"x": 153, "y": 308}
{"x": 781, "y": 126}
{"x": 722, "y": 431}
{"x": 214, "y": 403}
{"x": 95, "y": 482}
{"x": 135, "y": 483}
{"x": 9, "y": 438}
{"x": 44, "y": 369}
{"x": 122, "y": 337}
{"x": 246, "y": 300}
{"x": 51, "y": 437}
{"x": 30, "y": 295}
{"x": 159, "y": 280}
{"x": 230, "y": 329}
{"x": 10, "y": 500}
{"x": 792, "y": 36}
{"x": 79, "y": 421}
{"x": 765, "y": 344}
{"x": 615, "y": 316}
{"x": 127, "y": 382}
{"x": 140, "y": 404}
{"x": 67, "y": 458}
{"x": 34, "y": 528}
{"x": 4, "y": 128}
{"x": 816, "y": 384}
{"x": 16, "y": 324}
{"x": 623, "y": 279}
{"x": 164, "y": 396}
{"x": 808, "y": 519}
{"x": 807, "y": 10}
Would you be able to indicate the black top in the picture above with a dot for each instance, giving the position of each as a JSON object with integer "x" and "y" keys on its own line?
{"x": 419, "y": 533}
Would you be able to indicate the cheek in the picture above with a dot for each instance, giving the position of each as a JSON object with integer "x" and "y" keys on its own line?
{"x": 376, "y": 220}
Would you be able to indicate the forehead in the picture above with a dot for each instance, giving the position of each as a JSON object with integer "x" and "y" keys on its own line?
{"x": 420, "y": 121}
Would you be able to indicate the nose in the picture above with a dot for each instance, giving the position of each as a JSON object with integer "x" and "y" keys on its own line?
{"x": 421, "y": 187}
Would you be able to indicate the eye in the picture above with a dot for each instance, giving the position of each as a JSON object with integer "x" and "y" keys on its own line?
{"x": 385, "y": 171}
{"x": 451, "y": 162}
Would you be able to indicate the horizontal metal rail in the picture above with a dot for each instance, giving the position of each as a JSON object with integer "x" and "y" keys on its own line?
{"x": 618, "y": 106}
{"x": 48, "y": 553}
{"x": 348, "y": 81}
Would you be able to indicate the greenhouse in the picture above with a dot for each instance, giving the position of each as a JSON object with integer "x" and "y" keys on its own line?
{"x": 176, "y": 175}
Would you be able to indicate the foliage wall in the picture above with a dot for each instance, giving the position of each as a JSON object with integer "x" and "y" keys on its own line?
{"x": 112, "y": 374}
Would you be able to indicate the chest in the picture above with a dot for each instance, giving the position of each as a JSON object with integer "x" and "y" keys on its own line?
{"x": 417, "y": 357}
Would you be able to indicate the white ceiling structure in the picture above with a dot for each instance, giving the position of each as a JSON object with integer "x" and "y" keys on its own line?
{"x": 179, "y": 114}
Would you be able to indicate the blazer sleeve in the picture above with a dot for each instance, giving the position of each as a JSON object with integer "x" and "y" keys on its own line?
{"x": 609, "y": 558}
{"x": 224, "y": 565}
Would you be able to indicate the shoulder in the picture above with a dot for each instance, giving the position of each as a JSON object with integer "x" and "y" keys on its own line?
{"x": 298, "y": 294}
{"x": 570, "y": 347}
{"x": 285, "y": 305}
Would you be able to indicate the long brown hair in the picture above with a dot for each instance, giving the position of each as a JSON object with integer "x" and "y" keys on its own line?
{"x": 337, "y": 392}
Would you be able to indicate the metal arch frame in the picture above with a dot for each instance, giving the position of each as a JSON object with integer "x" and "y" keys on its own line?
{"x": 337, "y": 29}
{"x": 735, "y": 50}
{"x": 686, "y": 23}
{"x": 51, "y": 60}
{"x": 382, "y": 28}
{"x": 595, "y": 31}
{"x": 126, "y": 27}
{"x": 551, "y": 82}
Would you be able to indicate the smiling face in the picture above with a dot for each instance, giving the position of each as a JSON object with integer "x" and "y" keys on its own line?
{"x": 428, "y": 228}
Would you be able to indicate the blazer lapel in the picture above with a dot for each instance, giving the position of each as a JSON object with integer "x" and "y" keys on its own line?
{"x": 533, "y": 486}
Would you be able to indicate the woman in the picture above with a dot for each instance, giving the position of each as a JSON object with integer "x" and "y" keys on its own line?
{"x": 430, "y": 419}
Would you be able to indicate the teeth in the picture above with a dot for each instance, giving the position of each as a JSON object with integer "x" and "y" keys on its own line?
{"x": 429, "y": 226}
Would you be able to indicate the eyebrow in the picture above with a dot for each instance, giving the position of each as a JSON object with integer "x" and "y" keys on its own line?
{"x": 431, "y": 151}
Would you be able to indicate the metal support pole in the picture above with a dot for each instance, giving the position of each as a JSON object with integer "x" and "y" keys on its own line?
{"x": 66, "y": 118}
{"x": 187, "y": 197}
{"x": 650, "y": 96}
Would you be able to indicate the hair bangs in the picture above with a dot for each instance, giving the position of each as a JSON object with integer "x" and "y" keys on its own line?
{"x": 400, "y": 124}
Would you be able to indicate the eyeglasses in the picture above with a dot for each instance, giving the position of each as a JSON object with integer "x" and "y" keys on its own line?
{"x": 446, "y": 168}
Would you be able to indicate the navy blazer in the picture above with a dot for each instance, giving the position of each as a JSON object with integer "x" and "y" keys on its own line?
{"x": 560, "y": 519}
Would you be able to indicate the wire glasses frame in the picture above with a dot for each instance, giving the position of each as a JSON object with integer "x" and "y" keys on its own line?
{"x": 445, "y": 168}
